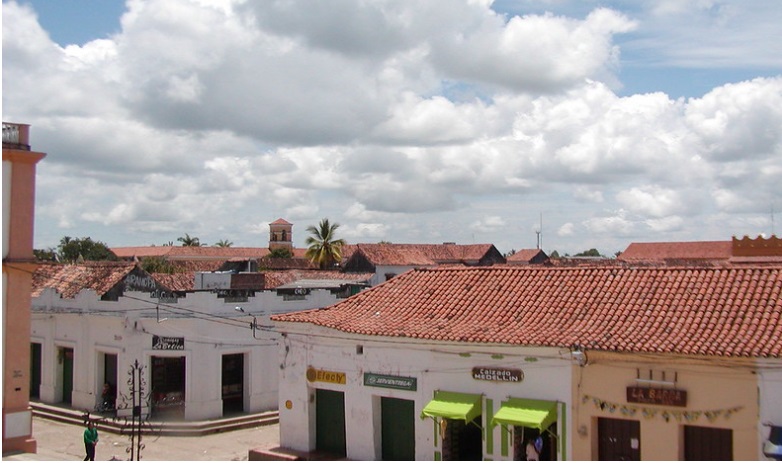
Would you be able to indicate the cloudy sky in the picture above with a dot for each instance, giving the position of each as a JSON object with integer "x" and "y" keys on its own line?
{"x": 471, "y": 121}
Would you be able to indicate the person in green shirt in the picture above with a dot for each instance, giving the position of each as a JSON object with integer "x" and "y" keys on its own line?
{"x": 90, "y": 440}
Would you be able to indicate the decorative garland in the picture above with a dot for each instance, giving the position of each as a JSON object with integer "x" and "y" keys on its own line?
{"x": 666, "y": 414}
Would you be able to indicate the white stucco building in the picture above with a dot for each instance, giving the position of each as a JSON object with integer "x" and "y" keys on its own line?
{"x": 603, "y": 362}
{"x": 203, "y": 355}
{"x": 380, "y": 398}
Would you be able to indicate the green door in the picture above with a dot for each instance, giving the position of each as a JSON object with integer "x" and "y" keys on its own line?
{"x": 330, "y": 422}
{"x": 35, "y": 370}
{"x": 67, "y": 374}
{"x": 398, "y": 429}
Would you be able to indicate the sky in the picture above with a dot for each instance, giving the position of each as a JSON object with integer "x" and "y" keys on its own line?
{"x": 588, "y": 124}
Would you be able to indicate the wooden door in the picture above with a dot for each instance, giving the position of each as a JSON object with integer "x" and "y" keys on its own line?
{"x": 618, "y": 439}
{"x": 702, "y": 443}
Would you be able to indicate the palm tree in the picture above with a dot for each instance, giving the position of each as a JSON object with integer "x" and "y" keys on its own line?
{"x": 324, "y": 248}
{"x": 187, "y": 240}
{"x": 224, "y": 244}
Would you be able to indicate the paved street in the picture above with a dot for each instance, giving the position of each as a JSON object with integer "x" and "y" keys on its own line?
{"x": 63, "y": 442}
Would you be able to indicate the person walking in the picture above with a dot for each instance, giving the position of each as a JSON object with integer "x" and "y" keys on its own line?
{"x": 90, "y": 440}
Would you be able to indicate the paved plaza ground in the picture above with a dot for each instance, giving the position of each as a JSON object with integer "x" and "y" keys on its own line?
{"x": 63, "y": 442}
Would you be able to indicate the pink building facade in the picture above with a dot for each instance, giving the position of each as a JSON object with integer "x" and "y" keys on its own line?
{"x": 19, "y": 164}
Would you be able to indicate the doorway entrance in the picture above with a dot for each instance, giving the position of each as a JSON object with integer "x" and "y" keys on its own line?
{"x": 168, "y": 387}
{"x": 65, "y": 357}
{"x": 397, "y": 417}
{"x": 108, "y": 384}
{"x": 35, "y": 370}
{"x": 710, "y": 444}
{"x": 330, "y": 422}
{"x": 530, "y": 443}
{"x": 618, "y": 439}
{"x": 462, "y": 441}
{"x": 233, "y": 383}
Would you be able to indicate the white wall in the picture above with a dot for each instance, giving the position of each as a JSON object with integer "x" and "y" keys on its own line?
{"x": 770, "y": 388}
{"x": 437, "y": 366}
{"x": 126, "y": 327}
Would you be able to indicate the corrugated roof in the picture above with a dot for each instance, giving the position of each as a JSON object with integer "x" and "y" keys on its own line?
{"x": 730, "y": 312}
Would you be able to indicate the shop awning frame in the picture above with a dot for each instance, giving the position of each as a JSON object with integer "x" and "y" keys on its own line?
{"x": 453, "y": 406}
{"x": 529, "y": 413}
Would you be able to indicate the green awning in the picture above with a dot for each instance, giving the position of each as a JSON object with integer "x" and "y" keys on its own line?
{"x": 454, "y": 406}
{"x": 529, "y": 413}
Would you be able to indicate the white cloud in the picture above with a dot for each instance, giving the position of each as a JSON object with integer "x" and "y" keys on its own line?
{"x": 567, "y": 229}
{"x": 488, "y": 224}
{"x": 405, "y": 121}
{"x": 652, "y": 201}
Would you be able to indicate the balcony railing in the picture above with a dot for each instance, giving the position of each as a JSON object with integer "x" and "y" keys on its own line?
{"x": 16, "y": 136}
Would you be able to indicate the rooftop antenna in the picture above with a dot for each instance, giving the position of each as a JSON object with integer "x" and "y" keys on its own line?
{"x": 539, "y": 232}
{"x": 772, "y": 219}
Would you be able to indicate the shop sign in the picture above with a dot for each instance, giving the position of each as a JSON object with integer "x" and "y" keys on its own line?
{"x": 167, "y": 343}
{"x": 391, "y": 382}
{"x": 508, "y": 375}
{"x": 325, "y": 376}
{"x": 657, "y": 396}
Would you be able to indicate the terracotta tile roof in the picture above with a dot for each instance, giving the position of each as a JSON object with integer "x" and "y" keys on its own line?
{"x": 282, "y": 263}
{"x": 422, "y": 254}
{"x": 275, "y": 279}
{"x": 190, "y": 266}
{"x": 732, "y": 312}
{"x": 679, "y": 251}
{"x": 195, "y": 252}
{"x": 180, "y": 282}
{"x": 525, "y": 256}
{"x": 69, "y": 279}
{"x": 281, "y": 222}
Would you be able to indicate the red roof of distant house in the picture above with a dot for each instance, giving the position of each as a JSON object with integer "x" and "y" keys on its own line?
{"x": 281, "y": 222}
{"x": 195, "y": 252}
{"x": 692, "y": 250}
{"x": 733, "y": 312}
{"x": 421, "y": 254}
{"x": 525, "y": 256}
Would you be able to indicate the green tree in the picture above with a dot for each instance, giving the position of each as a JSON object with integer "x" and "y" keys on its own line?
{"x": 49, "y": 254}
{"x": 280, "y": 253}
{"x": 75, "y": 249}
{"x": 224, "y": 244}
{"x": 156, "y": 264}
{"x": 323, "y": 247}
{"x": 188, "y": 240}
{"x": 554, "y": 254}
{"x": 589, "y": 253}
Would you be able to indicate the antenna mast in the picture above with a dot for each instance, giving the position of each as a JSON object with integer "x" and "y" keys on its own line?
{"x": 539, "y": 232}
